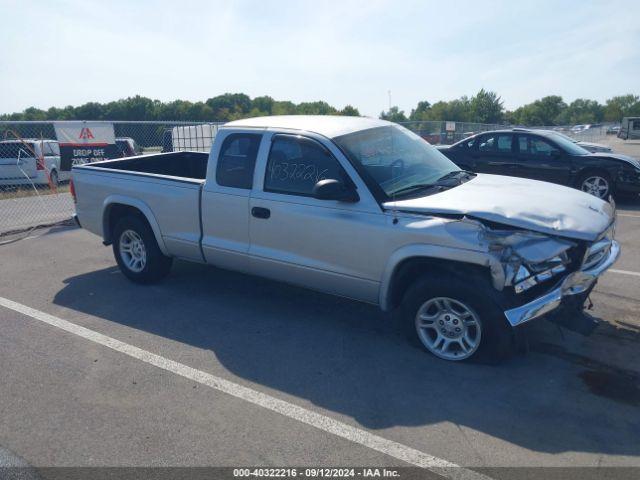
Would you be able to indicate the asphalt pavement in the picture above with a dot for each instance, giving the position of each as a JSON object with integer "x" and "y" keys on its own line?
{"x": 216, "y": 368}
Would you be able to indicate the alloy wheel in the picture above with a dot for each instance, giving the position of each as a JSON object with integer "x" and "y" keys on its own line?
{"x": 596, "y": 185}
{"x": 448, "y": 328}
{"x": 133, "y": 251}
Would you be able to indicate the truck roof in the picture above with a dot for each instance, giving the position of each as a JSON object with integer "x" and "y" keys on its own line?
{"x": 328, "y": 125}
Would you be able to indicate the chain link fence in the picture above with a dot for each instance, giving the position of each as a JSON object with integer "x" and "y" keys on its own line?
{"x": 34, "y": 189}
{"x": 447, "y": 133}
{"x": 585, "y": 133}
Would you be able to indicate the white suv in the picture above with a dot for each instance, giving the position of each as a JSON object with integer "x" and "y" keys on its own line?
{"x": 30, "y": 161}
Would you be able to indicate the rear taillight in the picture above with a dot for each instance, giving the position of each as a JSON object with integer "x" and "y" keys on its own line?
{"x": 72, "y": 190}
{"x": 40, "y": 163}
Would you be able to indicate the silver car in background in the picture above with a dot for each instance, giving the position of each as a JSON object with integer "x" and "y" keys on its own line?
{"x": 589, "y": 146}
{"x": 30, "y": 162}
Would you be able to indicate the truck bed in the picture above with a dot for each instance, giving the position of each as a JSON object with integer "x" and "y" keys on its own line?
{"x": 165, "y": 187}
{"x": 192, "y": 165}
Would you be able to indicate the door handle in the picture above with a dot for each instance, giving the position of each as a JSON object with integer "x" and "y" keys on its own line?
{"x": 260, "y": 212}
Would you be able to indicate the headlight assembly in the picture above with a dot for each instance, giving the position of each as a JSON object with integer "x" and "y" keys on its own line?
{"x": 526, "y": 278}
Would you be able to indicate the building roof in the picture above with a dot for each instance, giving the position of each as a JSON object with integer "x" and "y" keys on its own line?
{"x": 328, "y": 125}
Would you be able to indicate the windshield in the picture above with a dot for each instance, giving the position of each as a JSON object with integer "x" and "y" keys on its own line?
{"x": 569, "y": 145}
{"x": 565, "y": 136}
{"x": 395, "y": 158}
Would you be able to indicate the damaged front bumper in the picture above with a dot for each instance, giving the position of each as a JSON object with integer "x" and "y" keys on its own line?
{"x": 575, "y": 283}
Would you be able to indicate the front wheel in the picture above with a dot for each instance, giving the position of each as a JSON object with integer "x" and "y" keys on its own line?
{"x": 597, "y": 184}
{"x": 456, "y": 320}
{"x": 137, "y": 252}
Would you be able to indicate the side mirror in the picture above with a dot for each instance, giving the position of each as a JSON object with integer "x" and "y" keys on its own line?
{"x": 332, "y": 189}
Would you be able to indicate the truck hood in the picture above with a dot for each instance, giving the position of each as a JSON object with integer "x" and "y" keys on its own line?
{"x": 616, "y": 156}
{"x": 518, "y": 202}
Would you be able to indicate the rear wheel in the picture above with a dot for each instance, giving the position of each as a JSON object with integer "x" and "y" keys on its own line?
{"x": 137, "y": 252}
{"x": 455, "y": 320}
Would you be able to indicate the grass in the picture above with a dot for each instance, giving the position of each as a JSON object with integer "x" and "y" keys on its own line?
{"x": 22, "y": 191}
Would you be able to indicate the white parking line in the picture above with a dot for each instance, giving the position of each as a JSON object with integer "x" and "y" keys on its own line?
{"x": 356, "y": 435}
{"x": 624, "y": 272}
{"x": 627, "y": 215}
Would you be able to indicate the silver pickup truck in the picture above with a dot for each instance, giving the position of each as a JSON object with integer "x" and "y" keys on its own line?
{"x": 360, "y": 208}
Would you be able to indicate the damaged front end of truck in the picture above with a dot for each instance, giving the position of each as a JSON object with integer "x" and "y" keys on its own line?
{"x": 546, "y": 275}
{"x": 545, "y": 249}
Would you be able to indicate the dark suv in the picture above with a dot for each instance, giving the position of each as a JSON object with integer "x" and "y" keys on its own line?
{"x": 545, "y": 155}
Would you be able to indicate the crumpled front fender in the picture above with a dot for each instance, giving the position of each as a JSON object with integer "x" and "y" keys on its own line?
{"x": 418, "y": 251}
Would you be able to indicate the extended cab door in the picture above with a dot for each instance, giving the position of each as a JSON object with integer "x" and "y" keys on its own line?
{"x": 225, "y": 199}
{"x": 540, "y": 159}
{"x": 493, "y": 153}
{"x": 321, "y": 244}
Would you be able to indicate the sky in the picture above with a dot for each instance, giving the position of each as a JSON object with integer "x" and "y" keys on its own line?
{"x": 69, "y": 52}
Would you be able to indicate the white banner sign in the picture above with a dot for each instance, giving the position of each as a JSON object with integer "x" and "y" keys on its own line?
{"x": 85, "y": 142}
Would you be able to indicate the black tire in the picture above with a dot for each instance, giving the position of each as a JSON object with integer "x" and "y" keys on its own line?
{"x": 496, "y": 342}
{"x": 156, "y": 266}
{"x": 583, "y": 177}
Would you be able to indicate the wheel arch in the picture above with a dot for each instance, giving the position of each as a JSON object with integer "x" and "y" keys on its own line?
{"x": 408, "y": 263}
{"x": 117, "y": 206}
{"x": 610, "y": 170}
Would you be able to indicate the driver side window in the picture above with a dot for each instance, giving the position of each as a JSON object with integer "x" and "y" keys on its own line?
{"x": 296, "y": 164}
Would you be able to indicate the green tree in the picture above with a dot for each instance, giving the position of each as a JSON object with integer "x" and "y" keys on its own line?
{"x": 580, "y": 111}
{"x": 315, "y": 108}
{"x": 394, "y": 115}
{"x": 263, "y": 104}
{"x": 178, "y": 110}
{"x": 350, "y": 111}
{"x": 544, "y": 111}
{"x": 33, "y": 113}
{"x": 458, "y": 110}
{"x": 421, "y": 112}
{"x": 230, "y": 106}
{"x": 486, "y": 107}
{"x": 89, "y": 111}
{"x": 621, "y": 106}
{"x": 284, "y": 108}
{"x": 199, "y": 111}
